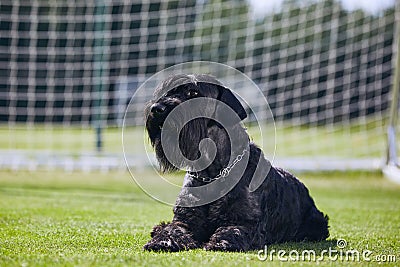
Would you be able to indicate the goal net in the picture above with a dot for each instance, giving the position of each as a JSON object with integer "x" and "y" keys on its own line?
{"x": 69, "y": 68}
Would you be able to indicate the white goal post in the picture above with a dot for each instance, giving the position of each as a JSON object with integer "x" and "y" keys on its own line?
{"x": 392, "y": 167}
{"x": 69, "y": 68}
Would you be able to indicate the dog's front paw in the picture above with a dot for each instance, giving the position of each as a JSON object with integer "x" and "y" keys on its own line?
{"x": 161, "y": 245}
{"x": 228, "y": 239}
{"x": 170, "y": 237}
{"x": 222, "y": 245}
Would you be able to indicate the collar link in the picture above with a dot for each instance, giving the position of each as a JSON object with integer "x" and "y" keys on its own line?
{"x": 223, "y": 173}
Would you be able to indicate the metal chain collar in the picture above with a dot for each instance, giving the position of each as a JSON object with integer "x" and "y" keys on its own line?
{"x": 223, "y": 173}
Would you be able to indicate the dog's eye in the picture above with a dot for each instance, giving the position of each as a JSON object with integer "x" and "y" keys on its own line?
{"x": 192, "y": 93}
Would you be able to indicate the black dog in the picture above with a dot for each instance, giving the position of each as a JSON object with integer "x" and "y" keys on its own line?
{"x": 279, "y": 210}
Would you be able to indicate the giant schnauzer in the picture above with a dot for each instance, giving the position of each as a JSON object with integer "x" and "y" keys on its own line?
{"x": 244, "y": 218}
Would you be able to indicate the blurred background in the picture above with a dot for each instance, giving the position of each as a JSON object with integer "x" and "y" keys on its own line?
{"x": 68, "y": 70}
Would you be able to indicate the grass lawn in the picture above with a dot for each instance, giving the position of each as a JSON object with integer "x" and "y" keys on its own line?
{"x": 363, "y": 139}
{"x": 103, "y": 219}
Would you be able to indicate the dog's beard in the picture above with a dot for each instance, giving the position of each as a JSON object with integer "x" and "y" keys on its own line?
{"x": 189, "y": 137}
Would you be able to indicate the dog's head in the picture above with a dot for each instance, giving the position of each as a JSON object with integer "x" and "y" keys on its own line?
{"x": 162, "y": 114}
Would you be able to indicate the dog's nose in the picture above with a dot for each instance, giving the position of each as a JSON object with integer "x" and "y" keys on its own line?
{"x": 157, "y": 108}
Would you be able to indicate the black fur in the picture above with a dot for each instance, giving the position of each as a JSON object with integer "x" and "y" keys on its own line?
{"x": 280, "y": 210}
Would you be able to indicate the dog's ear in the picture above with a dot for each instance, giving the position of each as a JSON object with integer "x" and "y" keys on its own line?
{"x": 226, "y": 96}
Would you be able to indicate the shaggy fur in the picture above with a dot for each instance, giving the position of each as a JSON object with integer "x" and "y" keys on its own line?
{"x": 279, "y": 210}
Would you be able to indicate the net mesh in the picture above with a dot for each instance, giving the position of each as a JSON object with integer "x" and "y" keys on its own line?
{"x": 70, "y": 67}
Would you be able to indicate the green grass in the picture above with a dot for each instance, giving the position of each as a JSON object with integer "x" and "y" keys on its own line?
{"x": 68, "y": 139}
{"x": 360, "y": 139}
{"x": 104, "y": 219}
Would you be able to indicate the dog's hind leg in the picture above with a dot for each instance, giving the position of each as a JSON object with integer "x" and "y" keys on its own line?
{"x": 314, "y": 226}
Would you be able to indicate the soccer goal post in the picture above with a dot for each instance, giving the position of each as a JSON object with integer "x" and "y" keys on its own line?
{"x": 392, "y": 168}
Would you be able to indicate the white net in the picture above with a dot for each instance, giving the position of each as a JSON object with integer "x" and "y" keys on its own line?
{"x": 69, "y": 68}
